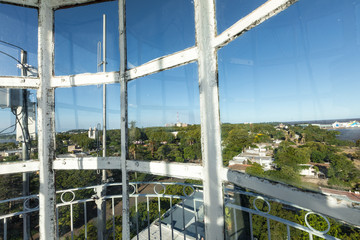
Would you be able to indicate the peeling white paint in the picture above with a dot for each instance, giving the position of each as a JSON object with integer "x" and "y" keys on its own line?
{"x": 46, "y": 124}
{"x": 212, "y": 172}
{"x": 259, "y": 15}
{"x": 86, "y": 163}
{"x": 163, "y": 63}
{"x": 16, "y": 167}
{"x": 19, "y": 82}
{"x": 124, "y": 121}
{"x": 205, "y": 26}
{"x": 85, "y": 79}
{"x": 25, "y": 3}
{"x": 171, "y": 169}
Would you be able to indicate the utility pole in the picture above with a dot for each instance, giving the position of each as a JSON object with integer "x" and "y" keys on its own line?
{"x": 25, "y": 143}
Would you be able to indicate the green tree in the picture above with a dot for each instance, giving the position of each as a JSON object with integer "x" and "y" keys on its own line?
{"x": 255, "y": 169}
{"x": 342, "y": 171}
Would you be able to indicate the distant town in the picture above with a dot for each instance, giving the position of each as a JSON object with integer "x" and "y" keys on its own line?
{"x": 307, "y": 155}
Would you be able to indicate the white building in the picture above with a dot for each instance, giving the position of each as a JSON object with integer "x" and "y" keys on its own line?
{"x": 254, "y": 155}
{"x": 93, "y": 133}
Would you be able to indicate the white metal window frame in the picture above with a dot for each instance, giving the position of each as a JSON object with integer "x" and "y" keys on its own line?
{"x": 205, "y": 53}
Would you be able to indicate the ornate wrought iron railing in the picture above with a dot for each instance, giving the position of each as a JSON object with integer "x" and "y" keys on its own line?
{"x": 171, "y": 210}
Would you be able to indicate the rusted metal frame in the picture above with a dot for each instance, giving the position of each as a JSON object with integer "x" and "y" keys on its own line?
{"x": 124, "y": 121}
{"x": 259, "y": 15}
{"x": 19, "y": 82}
{"x": 85, "y": 79}
{"x": 19, "y": 166}
{"x": 24, "y": 3}
{"x": 177, "y": 170}
{"x": 336, "y": 208}
{"x": 205, "y": 26}
{"x": 163, "y": 63}
{"x": 46, "y": 123}
{"x": 86, "y": 163}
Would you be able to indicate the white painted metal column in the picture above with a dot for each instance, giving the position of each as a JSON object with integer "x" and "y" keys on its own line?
{"x": 46, "y": 126}
{"x": 210, "y": 119}
{"x": 124, "y": 121}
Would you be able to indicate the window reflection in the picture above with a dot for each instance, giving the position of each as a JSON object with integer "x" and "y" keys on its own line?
{"x": 18, "y": 31}
{"x": 79, "y": 121}
{"x": 18, "y": 125}
{"x": 164, "y": 27}
{"x": 229, "y": 12}
{"x": 288, "y": 97}
{"x": 164, "y": 116}
{"x": 78, "y": 31}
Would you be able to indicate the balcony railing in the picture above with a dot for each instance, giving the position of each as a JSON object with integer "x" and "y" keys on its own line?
{"x": 171, "y": 210}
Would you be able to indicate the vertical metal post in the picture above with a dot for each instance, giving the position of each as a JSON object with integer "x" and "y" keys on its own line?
{"x": 101, "y": 204}
{"x": 5, "y": 228}
{"x": 210, "y": 119}
{"x": 46, "y": 125}
{"x": 124, "y": 122}
{"x": 104, "y": 96}
{"x": 25, "y": 144}
{"x": 101, "y": 212}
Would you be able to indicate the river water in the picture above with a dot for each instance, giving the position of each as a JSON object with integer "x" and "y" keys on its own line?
{"x": 351, "y": 134}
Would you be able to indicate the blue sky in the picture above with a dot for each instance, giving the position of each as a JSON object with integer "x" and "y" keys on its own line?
{"x": 302, "y": 64}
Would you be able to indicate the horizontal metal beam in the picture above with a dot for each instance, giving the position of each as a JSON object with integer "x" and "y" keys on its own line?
{"x": 85, "y": 79}
{"x": 86, "y": 163}
{"x": 67, "y": 3}
{"x": 154, "y": 66}
{"x": 25, "y": 3}
{"x": 177, "y": 170}
{"x": 336, "y": 208}
{"x": 163, "y": 63}
{"x": 19, "y": 167}
{"x": 259, "y": 15}
{"x": 19, "y": 82}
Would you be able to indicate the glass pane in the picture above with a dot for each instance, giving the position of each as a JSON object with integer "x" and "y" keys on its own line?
{"x": 79, "y": 31}
{"x": 77, "y": 180}
{"x": 170, "y": 201}
{"x": 18, "y": 31}
{"x": 79, "y": 120}
{"x": 237, "y": 221}
{"x": 157, "y": 28}
{"x": 11, "y": 186}
{"x": 229, "y": 12}
{"x": 17, "y": 124}
{"x": 289, "y": 97}
{"x": 164, "y": 116}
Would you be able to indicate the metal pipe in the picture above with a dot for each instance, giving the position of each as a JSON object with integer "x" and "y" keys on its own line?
{"x": 159, "y": 208}
{"x": 85, "y": 220}
{"x": 102, "y": 204}
{"x": 5, "y": 228}
{"x": 183, "y": 218}
{"x": 113, "y": 216}
{"x": 104, "y": 96}
{"x": 25, "y": 143}
{"x": 71, "y": 222}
